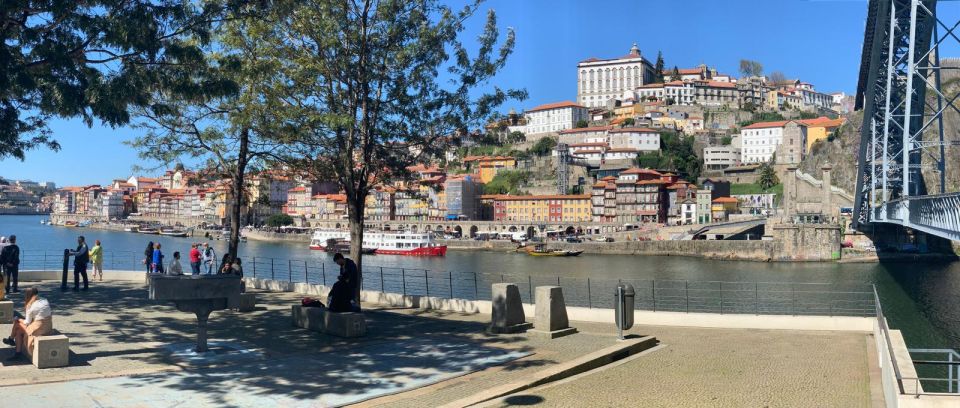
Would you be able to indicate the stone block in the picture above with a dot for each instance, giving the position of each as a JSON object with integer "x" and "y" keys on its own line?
{"x": 551, "y": 313}
{"x": 321, "y": 320}
{"x": 6, "y": 311}
{"x": 247, "y": 302}
{"x": 51, "y": 351}
{"x": 507, "y": 311}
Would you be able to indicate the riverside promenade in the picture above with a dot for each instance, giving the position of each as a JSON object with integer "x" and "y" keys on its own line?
{"x": 129, "y": 351}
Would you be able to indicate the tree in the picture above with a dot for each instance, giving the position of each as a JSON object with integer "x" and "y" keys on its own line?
{"x": 368, "y": 88}
{"x": 507, "y": 182}
{"x": 279, "y": 220}
{"x": 726, "y": 140}
{"x": 582, "y": 123}
{"x": 90, "y": 59}
{"x": 675, "y": 75}
{"x": 543, "y": 146}
{"x": 777, "y": 78}
{"x": 750, "y": 107}
{"x": 516, "y": 137}
{"x": 749, "y": 68}
{"x": 658, "y": 69}
{"x": 768, "y": 177}
{"x": 628, "y": 122}
{"x": 215, "y": 115}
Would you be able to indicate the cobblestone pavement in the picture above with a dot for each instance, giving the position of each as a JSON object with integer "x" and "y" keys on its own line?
{"x": 724, "y": 368}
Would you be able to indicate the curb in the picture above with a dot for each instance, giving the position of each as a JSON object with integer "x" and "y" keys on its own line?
{"x": 570, "y": 368}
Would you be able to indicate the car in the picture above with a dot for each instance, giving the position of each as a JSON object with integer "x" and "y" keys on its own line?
{"x": 574, "y": 240}
{"x": 604, "y": 239}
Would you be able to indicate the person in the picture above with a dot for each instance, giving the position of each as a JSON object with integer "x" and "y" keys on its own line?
{"x": 209, "y": 257}
{"x": 10, "y": 262}
{"x": 175, "y": 267}
{"x": 348, "y": 269}
{"x": 340, "y": 297}
{"x": 148, "y": 257}
{"x": 157, "y": 259}
{"x": 81, "y": 257}
{"x": 3, "y": 282}
{"x": 38, "y": 322}
{"x": 194, "y": 259}
{"x": 96, "y": 258}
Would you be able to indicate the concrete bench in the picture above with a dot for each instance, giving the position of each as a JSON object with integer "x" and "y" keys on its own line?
{"x": 6, "y": 311}
{"x": 321, "y": 320}
{"x": 247, "y": 302}
{"x": 52, "y": 350}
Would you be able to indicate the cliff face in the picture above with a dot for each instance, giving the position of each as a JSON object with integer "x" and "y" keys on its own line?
{"x": 842, "y": 153}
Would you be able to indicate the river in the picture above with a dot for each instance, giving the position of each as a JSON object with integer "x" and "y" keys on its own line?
{"x": 920, "y": 299}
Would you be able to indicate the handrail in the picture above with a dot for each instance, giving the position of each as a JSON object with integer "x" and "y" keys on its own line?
{"x": 882, "y": 322}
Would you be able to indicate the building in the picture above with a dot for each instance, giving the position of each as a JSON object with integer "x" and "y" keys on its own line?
{"x": 751, "y": 92}
{"x": 723, "y": 207}
{"x": 600, "y": 145}
{"x": 489, "y": 166}
{"x": 761, "y": 141}
{"x": 704, "y": 206}
{"x": 820, "y": 128}
{"x": 671, "y": 93}
{"x": 463, "y": 198}
{"x": 688, "y": 211}
{"x": 542, "y": 208}
{"x": 715, "y": 93}
{"x": 551, "y": 118}
{"x": 717, "y": 188}
{"x": 599, "y": 81}
{"x": 701, "y": 72}
{"x": 635, "y": 195}
{"x": 720, "y": 157}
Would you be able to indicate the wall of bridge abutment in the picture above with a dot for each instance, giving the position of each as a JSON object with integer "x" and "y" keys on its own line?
{"x": 472, "y": 228}
{"x": 890, "y": 235}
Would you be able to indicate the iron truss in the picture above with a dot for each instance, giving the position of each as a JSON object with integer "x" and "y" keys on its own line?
{"x": 902, "y": 132}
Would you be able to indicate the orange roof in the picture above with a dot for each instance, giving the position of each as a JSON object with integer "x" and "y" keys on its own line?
{"x": 623, "y": 149}
{"x": 633, "y": 129}
{"x": 587, "y": 144}
{"x": 609, "y": 178}
{"x": 599, "y": 184}
{"x": 587, "y": 151}
{"x": 763, "y": 125}
{"x": 555, "y": 105}
{"x": 723, "y": 200}
{"x": 647, "y": 182}
{"x": 822, "y": 121}
{"x": 636, "y": 170}
{"x": 544, "y": 197}
{"x": 718, "y": 84}
{"x": 657, "y": 85}
{"x": 297, "y": 189}
{"x": 586, "y": 129}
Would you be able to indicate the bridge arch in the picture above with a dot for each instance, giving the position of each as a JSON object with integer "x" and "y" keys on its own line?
{"x": 473, "y": 231}
{"x": 531, "y": 232}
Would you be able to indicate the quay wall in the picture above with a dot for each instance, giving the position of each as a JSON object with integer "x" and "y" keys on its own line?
{"x": 275, "y": 236}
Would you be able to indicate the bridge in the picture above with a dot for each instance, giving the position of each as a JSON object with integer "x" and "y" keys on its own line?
{"x": 901, "y": 94}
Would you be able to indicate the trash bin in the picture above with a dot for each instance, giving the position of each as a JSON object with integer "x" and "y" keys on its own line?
{"x": 623, "y": 308}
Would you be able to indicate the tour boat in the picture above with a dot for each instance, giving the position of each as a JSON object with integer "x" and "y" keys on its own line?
{"x": 173, "y": 232}
{"x": 542, "y": 250}
{"x": 148, "y": 230}
{"x": 132, "y": 229}
{"x": 388, "y": 243}
{"x": 70, "y": 224}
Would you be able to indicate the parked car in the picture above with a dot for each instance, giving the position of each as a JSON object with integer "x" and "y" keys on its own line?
{"x": 604, "y": 239}
{"x": 574, "y": 240}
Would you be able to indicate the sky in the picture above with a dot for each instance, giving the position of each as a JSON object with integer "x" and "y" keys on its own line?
{"x": 818, "y": 41}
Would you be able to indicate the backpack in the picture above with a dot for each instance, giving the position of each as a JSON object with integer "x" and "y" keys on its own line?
{"x": 311, "y": 302}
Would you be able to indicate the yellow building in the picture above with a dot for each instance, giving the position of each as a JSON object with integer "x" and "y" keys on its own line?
{"x": 489, "y": 166}
{"x": 722, "y": 207}
{"x": 820, "y": 128}
{"x": 543, "y": 208}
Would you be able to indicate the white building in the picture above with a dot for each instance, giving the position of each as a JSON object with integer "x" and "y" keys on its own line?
{"x": 720, "y": 157}
{"x": 760, "y": 141}
{"x": 678, "y": 92}
{"x": 552, "y": 117}
{"x": 688, "y": 211}
{"x": 602, "y": 80}
{"x": 638, "y": 139}
{"x": 111, "y": 204}
{"x": 607, "y": 143}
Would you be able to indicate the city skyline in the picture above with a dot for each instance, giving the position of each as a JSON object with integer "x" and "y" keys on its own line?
{"x": 545, "y": 58}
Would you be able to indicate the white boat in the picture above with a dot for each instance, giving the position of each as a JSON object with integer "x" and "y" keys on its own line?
{"x": 389, "y": 243}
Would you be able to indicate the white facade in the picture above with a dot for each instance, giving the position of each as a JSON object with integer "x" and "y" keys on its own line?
{"x": 759, "y": 141}
{"x": 681, "y": 93}
{"x": 552, "y": 117}
{"x": 720, "y": 157}
{"x": 688, "y": 212}
{"x": 111, "y": 204}
{"x": 639, "y": 139}
{"x": 602, "y": 80}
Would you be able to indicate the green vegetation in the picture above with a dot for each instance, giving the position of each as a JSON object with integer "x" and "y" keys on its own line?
{"x": 543, "y": 146}
{"x": 675, "y": 75}
{"x": 768, "y": 177}
{"x": 754, "y": 188}
{"x": 762, "y": 117}
{"x": 516, "y": 137}
{"x": 726, "y": 140}
{"x": 582, "y": 123}
{"x": 808, "y": 115}
{"x": 676, "y": 154}
{"x": 279, "y": 220}
{"x": 507, "y": 182}
{"x": 628, "y": 122}
{"x": 658, "y": 69}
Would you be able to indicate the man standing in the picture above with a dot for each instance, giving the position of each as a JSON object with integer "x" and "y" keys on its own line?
{"x": 10, "y": 260}
{"x": 209, "y": 257}
{"x": 348, "y": 270}
{"x": 194, "y": 259}
{"x": 81, "y": 257}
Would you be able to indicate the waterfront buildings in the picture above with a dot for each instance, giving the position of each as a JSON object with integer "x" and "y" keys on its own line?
{"x": 541, "y": 208}
{"x": 489, "y": 166}
{"x": 463, "y": 198}
{"x": 760, "y": 141}
{"x": 820, "y": 128}
{"x": 551, "y": 118}
{"x": 600, "y": 81}
{"x": 598, "y": 145}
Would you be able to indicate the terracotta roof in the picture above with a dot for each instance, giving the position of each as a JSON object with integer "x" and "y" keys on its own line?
{"x": 822, "y": 121}
{"x": 633, "y": 129}
{"x": 648, "y": 182}
{"x": 586, "y": 129}
{"x": 587, "y": 151}
{"x": 555, "y": 105}
{"x": 599, "y": 184}
{"x": 657, "y": 85}
{"x": 609, "y": 178}
{"x": 718, "y": 84}
{"x": 683, "y": 71}
{"x": 297, "y": 189}
{"x": 622, "y": 149}
{"x": 723, "y": 200}
{"x": 675, "y": 83}
{"x": 764, "y": 125}
{"x": 635, "y": 170}
{"x": 543, "y": 197}
{"x": 587, "y": 144}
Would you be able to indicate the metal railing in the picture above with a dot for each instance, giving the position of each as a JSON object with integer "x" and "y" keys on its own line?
{"x": 685, "y": 296}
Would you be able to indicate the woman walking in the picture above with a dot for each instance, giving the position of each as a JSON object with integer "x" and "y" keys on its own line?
{"x": 157, "y": 259}
{"x": 148, "y": 257}
{"x": 96, "y": 258}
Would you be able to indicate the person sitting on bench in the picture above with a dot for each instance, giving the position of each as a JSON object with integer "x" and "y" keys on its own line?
{"x": 38, "y": 322}
{"x": 340, "y": 296}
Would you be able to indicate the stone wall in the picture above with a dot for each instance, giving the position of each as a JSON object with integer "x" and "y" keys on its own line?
{"x": 807, "y": 242}
{"x": 276, "y": 236}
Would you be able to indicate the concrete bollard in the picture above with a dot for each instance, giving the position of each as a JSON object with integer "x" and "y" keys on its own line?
{"x": 6, "y": 311}
{"x": 507, "y": 311}
{"x": 551, "y": 315}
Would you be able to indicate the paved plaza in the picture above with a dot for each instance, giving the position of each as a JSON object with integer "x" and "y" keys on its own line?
{"x": 128, "y": 351}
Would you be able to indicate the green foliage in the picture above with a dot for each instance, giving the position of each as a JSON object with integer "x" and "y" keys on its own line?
{"x": 754, "y": 188}
{"x": 726, "y": 140}
{"x": 762, "y": 117}
{"x": 768, "y": 177}
{"x": 89, "y": 59}
{"x": 516, "y": 137}
{"x": 750, "y": 68}
{"x": 808, "y": 115}
{"x": 628, "y": 122}
{"x": 543, "y": 146}
{"x": 507, "y": 182}
{"x": 750, "y": 107}
{"x": 279, "y": 220}
{"x": 676, "y": 154}
{"x": 582, "y": 123}
{"x": 675, "y": 75}
{"x": 658, "y": 69}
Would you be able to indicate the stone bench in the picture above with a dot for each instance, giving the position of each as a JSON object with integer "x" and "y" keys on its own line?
{"x": 6, "y": 312}
{"x": 247, "y": 302}
{"x": 52, "y": 350}
{"x": 321, "y": 320}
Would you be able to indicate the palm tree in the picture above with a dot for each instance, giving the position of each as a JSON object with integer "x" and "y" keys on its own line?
{"x": 768, "y": 177}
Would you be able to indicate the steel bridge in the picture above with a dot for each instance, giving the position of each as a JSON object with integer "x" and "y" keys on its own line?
{"x": 899, "y": 91}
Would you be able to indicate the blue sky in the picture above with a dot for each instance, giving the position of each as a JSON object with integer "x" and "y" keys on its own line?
{"x": 818, "y": 41}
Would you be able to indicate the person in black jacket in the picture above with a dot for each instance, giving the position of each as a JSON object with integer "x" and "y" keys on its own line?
{"x": 81, "y": 257}
{"x": 340, "y": 296}
{"x": 10, "y": 260}
{"x": 148, "y": 257}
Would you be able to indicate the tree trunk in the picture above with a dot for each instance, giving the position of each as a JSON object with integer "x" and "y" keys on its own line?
{"x": 355, "y": 215}
{"x": 237, "y": 190}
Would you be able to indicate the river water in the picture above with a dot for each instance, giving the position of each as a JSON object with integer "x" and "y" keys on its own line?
{"x": 920, "y": 299}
